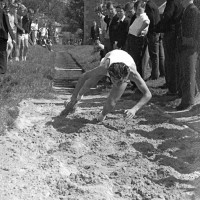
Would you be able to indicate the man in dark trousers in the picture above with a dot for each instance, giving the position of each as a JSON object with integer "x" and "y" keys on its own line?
{"x": 123, "y": 28}
{"x": 169, "y": 25}
{"x": 153, "y": 37}
{"x": 188, "y": 51}
{"x": 4, "y": 30}
{"x": 112, "y": 21}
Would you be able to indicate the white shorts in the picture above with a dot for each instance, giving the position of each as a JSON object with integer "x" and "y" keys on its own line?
{"x": 23, "y": 36}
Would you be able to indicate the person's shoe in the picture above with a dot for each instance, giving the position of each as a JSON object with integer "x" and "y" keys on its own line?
{"x": 16, "y": 59}
{"x": 183, "y": 107}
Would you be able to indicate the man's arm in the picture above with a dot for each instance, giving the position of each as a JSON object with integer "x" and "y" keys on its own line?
{"x": 8, "y": 26}
{"x": 144, "y": 25}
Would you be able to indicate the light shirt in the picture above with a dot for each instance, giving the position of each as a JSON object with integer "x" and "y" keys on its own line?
{"x": 137, "y": 24}
{"x": 11, "y": 18}
{"x": 43, "y": 31}
{"x": 118, "y": 55}
{"x": 34, "y": 26}
{"x": 123, "y": 18}
{"x": 103, "y": 23}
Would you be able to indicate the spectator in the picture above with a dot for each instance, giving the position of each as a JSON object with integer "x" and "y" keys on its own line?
{"x": 103, "y": 26}
{"x": 94, "y": 32}
{"x": 130, "y": 12}
{"x": 12, "y": 12}
{"x": 34, "y": 31}
{"x": 169, "y": 26}
{"x": 188, "y": 54}
{"x": 101, "y": 16}
{"x": 26, "y": 24}
{"x": 4, "y": 30}
{"x": 43, "y": 34}
{"x": 112, "y": 25}
{"x": 153, "y": 37}
{"x": 137, "y": 35}
{"x": 122, "y": 30}
{"x": 20, "y": 32}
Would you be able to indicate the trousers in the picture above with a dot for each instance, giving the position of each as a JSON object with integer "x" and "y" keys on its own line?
{"x": 3, "y": 56}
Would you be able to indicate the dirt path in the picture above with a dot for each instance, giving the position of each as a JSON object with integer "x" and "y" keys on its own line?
{"x": 46, "y": 157}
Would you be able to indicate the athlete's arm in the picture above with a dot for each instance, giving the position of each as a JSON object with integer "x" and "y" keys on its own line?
{"x": 135, "y": 76}
{"x": 96, "y": 72}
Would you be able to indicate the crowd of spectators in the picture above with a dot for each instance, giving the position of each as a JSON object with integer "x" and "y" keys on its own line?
{"x": 168, "y": 42}
{"x": 18, "y": 29}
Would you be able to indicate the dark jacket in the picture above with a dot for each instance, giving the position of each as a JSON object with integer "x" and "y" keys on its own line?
{"x": 26, "y": 24}
{"x": 132, "y": 19}
{"x": 190, "y": 26}
{"x": 113, "y": 27}
{"x": 19, "y": 25}
{"x": 153, "y": 14}
{"x": 5, "y": 26}
{"x": 122, "y": 32}
{"x": 170, "y": 18}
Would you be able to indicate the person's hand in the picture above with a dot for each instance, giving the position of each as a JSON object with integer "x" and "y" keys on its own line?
{"x": 130, "y": 113}
{"x": 70, "y": 107}
{"x": 100, "y": 117}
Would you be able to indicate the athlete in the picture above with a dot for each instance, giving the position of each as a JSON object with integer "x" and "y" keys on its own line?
{"x": 121, "y": 68}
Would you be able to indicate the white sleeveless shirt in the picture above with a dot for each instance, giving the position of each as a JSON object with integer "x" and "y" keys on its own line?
{"x": 116, "y": 56}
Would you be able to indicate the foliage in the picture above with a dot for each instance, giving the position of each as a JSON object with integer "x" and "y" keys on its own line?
{"x": 53, "y": 9}
{"x": 75, "y": 14}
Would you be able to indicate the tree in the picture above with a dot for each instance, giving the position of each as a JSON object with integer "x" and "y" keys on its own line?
{"x": 53, "y": 9}
{"x": 74, "y": 12}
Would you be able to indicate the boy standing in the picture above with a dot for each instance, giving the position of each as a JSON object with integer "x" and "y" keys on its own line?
{"x": 137, "y": 35}
{"x": 123, "y": 28}
{"x": 188, "y": 54}
{"x": 4, "y": 30}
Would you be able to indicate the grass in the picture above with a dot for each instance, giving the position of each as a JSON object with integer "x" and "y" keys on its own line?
{"x": 23, "y": 80}
{"x": 85, "y": 56}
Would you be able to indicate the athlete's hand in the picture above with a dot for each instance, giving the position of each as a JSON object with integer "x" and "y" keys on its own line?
{"x": 100, "y": 117}
{"x": 130, "y": 114}
{"x": 70, "y": 107}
